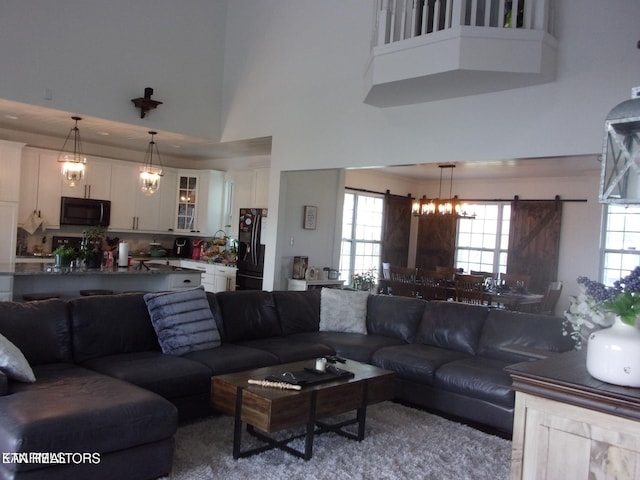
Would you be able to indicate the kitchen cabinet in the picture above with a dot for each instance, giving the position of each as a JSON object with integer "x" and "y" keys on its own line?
{"x": 40, "y": 187}
{"x": 132, "y": 209}
{"x": 200, "y": 202}
{"x": 11, "y": 156}
{"x": 95, "y": 184}
{"x": 250, "y": 189}
{"x": 215, "y": 277}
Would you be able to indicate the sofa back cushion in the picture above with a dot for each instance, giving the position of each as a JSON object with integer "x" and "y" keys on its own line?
{"x": 248, "y": 315}
{"x": 41, "y": 330}
{"x": 395, "y": 317}
{"x": 111, "y": 324}
{"x": 529, "y": 330}
{"x": 298, "y": 311}
{"x": 452, "y": 325}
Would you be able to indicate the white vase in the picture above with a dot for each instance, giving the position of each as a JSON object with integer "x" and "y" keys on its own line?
{"x": 613, "y": 354}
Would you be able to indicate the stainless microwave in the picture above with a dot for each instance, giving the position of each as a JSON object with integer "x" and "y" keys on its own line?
{"x": 85, "y": 211}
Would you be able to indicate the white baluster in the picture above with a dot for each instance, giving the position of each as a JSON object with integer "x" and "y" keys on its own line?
{"x": 392, "y": 29}
{"x": 501, "y": 13}
{"x": 487, "y": 13}
{"x": 383, "y": 22}
{"x": 414, "y": 19}
{"x": 457, "y": 13}
{"x": 473, "y": 21}
{"x": 403, "y": 21}
{"x": 436, "y": 16}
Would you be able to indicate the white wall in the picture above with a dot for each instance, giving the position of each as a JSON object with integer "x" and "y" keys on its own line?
{"x": 294, "y": 69}
{"x": 94, "y": 56}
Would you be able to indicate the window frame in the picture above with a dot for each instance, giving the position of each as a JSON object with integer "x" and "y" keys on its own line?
{"x": 605, "y": 250}
{"x": 347, "y": 273}
{"x": 500, "y": 249}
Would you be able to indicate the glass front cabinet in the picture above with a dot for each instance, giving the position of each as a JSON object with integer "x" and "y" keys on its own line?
{"x": 186, "y": 220}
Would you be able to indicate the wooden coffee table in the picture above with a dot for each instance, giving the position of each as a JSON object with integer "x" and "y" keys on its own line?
{"x": 266, "y": 410}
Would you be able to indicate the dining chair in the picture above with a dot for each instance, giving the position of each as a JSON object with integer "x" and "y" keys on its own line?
{"x": 470, "y": 289}
{"x": 551, "y": 297}
{"x": 403, "y": 281}
{"x": 515, "y": 281}
{"x": 450, "y": 272}
{"x": 432, "y": 285}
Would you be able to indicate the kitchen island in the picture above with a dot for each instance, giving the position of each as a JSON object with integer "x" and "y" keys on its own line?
{"x": 44, "y": 278}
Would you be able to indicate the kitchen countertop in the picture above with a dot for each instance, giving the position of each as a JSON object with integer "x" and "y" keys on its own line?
{"x": 50, "y": 269}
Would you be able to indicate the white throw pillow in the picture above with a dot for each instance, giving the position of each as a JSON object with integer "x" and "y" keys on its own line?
{"x": 343, "y": 310}
{"x": 13, "y": 363}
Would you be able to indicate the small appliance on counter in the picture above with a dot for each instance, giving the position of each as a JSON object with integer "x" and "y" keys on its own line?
{"x": 196, "y": 251}
{"x": 182, "y": 247}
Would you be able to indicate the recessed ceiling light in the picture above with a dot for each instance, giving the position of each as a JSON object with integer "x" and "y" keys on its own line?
{"x": 176, "y": 146}
{"x": 11, "y": 117}
{"x": 104, "y": 134}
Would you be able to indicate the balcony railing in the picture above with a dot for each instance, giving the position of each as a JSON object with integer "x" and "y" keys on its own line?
{"x": 400, "y": 20}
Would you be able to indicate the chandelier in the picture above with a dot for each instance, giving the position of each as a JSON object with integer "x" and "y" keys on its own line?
{"x": 150, "y": 175}
{"x": 73, "y": 165}
{"x": 451, "y": 206}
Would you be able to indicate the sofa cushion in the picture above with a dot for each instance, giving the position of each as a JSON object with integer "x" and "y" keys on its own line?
{"x": 248, "y": 314}
{"x": 298, "y": 311}
{"x": 46, "y": 320}
{"x": 477, "y": 377}
{"x": 504, "y": 327}
{"x": 228, "y": 358}
{"x": 452, "y": 325}
{"x": 167, "y": 375}
{"x": 183, "y": 321}
{"x": 111, "y": 324}
{"x": 348, "y": 345}
{"x": 72, "y": 409}
{"x": 287, "y": 349}
{"x": 417, "y": 363}
{"x": 396, "y": 317}
{"x": 13, "y": 363}
{"x": 343, "y": 310}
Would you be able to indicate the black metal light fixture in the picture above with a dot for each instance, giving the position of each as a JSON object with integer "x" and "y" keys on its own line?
{"x": 146, "y": 103}
{"x": 620, "y": 171}
{"x": 451, "y": 206}
{"x": 73, "y": 164}
{"x": 150, "y": 175}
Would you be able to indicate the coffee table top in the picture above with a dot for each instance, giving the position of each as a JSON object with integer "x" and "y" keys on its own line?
{"x": 274, "y": 405}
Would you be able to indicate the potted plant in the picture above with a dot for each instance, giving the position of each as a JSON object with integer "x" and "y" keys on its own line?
{"x": 64, "y": 255}
{"x": 612, "y": 351}
{"x": 91, "y": 248}
{"x": 364, "y": 281}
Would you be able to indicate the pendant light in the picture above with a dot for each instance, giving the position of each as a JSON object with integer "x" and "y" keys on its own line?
{"x": 73, "y": 165}
{"x": 150, "y": 175}
{"x": 438, "y": 206}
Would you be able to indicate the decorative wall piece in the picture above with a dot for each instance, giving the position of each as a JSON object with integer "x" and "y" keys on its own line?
{"x": 310, "y": 217}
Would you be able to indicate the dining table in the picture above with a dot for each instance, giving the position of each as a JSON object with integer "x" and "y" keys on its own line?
{"x": 514, "y": 300}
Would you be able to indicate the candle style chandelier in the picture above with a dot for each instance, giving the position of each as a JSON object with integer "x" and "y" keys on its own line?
{"x": 150, "y": 175}
{"x": 423, "y": 207}
{"x": 73, "y": 164}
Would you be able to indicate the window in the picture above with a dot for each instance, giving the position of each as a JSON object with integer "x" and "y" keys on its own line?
{"x": 361, "y": 234}
{"x": 621, "y": 242}
{"x": 482, "y": 243}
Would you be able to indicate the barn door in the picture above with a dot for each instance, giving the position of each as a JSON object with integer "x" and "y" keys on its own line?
{"x": 436, "y": 241}
{"x": 534, "y": 241}
{"x": 396, "y": 228}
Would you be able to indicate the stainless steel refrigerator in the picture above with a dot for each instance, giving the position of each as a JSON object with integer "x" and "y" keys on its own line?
{"x": 250, "y": 249}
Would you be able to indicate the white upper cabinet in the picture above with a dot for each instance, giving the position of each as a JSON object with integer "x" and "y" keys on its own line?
{"x": 40, "y": 188}
{"x": 200, "y": 202}
{"x": 10, "y": 156}
{"x": 96, "y": 183}
{"x": 132, "y": 209}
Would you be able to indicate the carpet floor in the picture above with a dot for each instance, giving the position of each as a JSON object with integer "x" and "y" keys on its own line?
{"x": 400, "y": 443}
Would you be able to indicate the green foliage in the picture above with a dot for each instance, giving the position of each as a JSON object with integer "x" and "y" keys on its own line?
{"x": 626, "y": 305}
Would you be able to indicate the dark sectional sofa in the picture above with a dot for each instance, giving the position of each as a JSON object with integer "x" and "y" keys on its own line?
{"x": 103, "y": 386}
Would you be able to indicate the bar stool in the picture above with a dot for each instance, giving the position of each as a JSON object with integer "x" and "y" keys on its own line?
{"x": 92, "y": 293}
{"x": 34, "y": 297}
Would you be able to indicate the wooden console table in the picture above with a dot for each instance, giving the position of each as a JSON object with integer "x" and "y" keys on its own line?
{"x": 567, "y": 424}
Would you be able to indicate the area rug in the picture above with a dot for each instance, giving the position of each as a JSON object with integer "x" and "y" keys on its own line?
{"x": 400, "y": 443}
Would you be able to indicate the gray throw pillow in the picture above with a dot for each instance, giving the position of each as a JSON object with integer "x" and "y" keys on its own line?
{"x": 13, "y": 363}
{"x": 183, "y": 321}
{"x": 343, "y": 310}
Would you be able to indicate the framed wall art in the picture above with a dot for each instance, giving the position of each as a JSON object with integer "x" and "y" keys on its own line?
{"x": 310, "y": 217}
